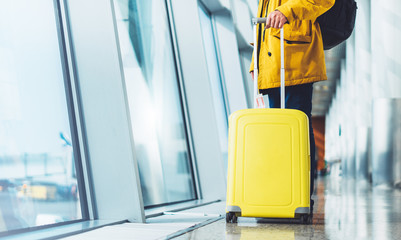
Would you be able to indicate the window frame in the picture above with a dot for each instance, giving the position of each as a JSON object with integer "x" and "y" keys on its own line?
{"x": 183, "y": 100}
{"x": 184, "y": 109}
{"x": 73, "y": 111}
{"x": 73, "y": 103}
{"x": 219, "y": 58}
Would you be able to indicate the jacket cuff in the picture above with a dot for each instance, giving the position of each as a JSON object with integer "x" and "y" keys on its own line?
{"x": 251, "y": 68}
{"x": 287, "y": 11}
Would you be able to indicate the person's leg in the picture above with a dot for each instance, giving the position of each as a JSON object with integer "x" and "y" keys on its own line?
{"x": 298, "y": 97}
{"x": 274, "y": 97}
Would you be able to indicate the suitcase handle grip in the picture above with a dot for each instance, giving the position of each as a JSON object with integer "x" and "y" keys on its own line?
{"x": 256, "y": 21}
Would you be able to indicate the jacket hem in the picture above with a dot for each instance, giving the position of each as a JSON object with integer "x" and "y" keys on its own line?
{"x": 293, "y": 82}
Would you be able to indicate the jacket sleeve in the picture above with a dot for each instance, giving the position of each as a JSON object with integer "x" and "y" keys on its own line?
{"x": 251, "y": 68}
{"x": 305, "y": 9}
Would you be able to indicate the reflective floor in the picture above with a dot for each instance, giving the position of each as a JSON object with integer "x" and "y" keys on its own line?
{"x": 343, "y": 210}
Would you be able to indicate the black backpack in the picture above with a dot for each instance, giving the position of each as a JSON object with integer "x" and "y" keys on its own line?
{"x": 337, "y": 23}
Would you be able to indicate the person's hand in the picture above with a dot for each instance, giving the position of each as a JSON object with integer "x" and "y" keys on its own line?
{"x": 276, "y": 20}
{"x": 252, "y": 75}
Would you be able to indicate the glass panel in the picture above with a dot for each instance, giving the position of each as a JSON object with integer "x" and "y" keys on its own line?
{"x": 155, "y": 102}
{"x": 38, "y": 185}
{"x": 215, "y": 80}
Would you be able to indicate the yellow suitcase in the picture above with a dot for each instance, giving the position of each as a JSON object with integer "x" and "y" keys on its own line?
{"x": 268, "y": 161}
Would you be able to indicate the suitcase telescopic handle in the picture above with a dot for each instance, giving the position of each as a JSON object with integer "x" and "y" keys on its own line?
{"x": 258, "y": 20}
{"x": 255, "y": 22}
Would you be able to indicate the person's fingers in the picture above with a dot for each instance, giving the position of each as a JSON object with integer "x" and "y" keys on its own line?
{"x": 268, "y": 22}
{"x": 274, "y": 21}
{"x": 278, "y": 22}
{"x": 281, "y": 23}
{"x": 284, "y": 19}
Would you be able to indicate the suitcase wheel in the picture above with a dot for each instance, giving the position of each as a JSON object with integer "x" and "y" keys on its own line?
{"x": 306, "y": 219}
{"x": 231, "y": 217}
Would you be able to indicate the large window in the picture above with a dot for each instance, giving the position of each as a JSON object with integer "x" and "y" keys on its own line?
{"x": 215, "y": 79}
{"x": 155, "y": 102}
{"x": 38, "y": 184}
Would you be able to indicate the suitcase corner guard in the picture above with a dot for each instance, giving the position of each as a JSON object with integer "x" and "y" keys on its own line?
{"x": 302, "y": 210}
{"x": 233, "y": 209}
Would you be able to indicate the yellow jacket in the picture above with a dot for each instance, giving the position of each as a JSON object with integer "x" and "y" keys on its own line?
{"x": 304, "y": 54}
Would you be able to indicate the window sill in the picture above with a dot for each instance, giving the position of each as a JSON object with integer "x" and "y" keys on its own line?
{"x": 61, "y": 231}
{"x": 158, "y": 211}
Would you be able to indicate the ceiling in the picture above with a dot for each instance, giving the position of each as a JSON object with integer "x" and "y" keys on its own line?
{"x": 323, "y": 91}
